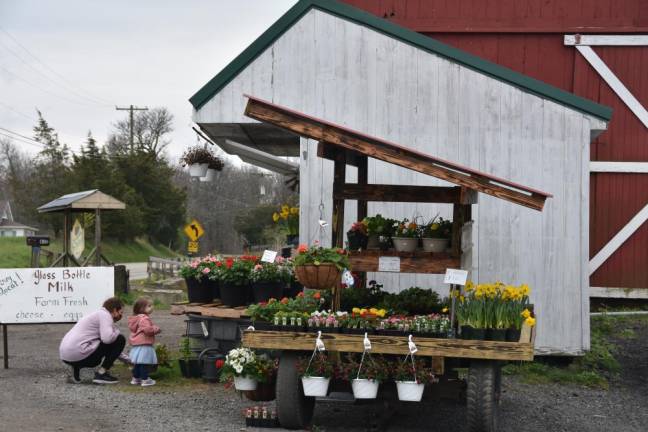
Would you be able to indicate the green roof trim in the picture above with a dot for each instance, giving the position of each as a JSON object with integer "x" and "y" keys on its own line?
{"x": 417, "y": 40}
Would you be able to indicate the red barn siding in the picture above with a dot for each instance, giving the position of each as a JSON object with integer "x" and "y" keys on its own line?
{"x": 527, "y": 36}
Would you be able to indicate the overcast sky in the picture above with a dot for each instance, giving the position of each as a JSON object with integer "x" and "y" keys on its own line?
{"x": 83, "y": 57}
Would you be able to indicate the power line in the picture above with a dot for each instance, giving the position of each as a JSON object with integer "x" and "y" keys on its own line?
{"x": 20, "y": 140}
{"x": 22, "y": 136}
{"x": 61, "y": 77}
{"x": 18, "y": 112}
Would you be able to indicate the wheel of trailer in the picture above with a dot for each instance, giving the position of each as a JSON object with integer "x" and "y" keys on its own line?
{"x": 482, "y": 396}
{"x": 293, "y": 408}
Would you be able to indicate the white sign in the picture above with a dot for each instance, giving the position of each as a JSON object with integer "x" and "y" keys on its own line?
{"x": 455, "y": 277}
{"x": 269, "y": 256}
{"x": 77, "y": 239}
{"x": 51, "y": 295}
{"x": 388, "y": 264}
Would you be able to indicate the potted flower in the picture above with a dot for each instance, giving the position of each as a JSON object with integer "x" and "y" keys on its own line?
{"x": 190, "y": 365}
{"x": 288, "y": 220}
{"x": 197, "y": 158}
{"x": 315, "y": 374}
{"x": 317, "y": 267}
{"x": 235, "y": 278}
{"x": 365, "y": 378}
{"x": 266, "y": 386}
{"x": 269, "y": 279}
{"x": 377, "y": 226}
{"x": 197, "y": 292}
{"x": 242, "y": 365}
{"x": 436, "y": 235}
{"x": 357, "y": 236}
{"x": 411, "y": 379}
{"x": 215, "y": 164}
{"x": 406, "y": 236}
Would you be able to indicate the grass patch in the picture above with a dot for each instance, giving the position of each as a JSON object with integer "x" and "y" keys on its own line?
{"x": 540, "y": 373}
{"x": 14, "y": 253}
{"x": 166, "y": 377}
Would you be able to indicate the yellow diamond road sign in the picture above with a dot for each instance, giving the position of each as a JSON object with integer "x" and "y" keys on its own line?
{"x": 192, "y": 247}
{"x": 194, "y": 230}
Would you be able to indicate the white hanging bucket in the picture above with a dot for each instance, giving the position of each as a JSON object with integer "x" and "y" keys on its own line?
{"x": 198, "y": 170}
{"x": 435, "y": 245}
{"x": 410, "y": 391}
{"x": 315, "y": 386}
{"x": 405, "y": 244}
{"x": 245, "y": 383}
{"x": 209, "y": 176}
{"x": 365, "y": 388}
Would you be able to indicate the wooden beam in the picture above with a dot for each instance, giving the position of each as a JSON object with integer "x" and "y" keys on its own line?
{"x": 624, "y": 293}
{"x": 459, "y": 348}
{"x": 417, "y": 262}
{"x": 399, "y": 193}
{"x": 606, "y": 40}
{"x": 339, "y": 177}
{"x": 328, "y": 151}
{"x": 363, "y": 179}
{"x": 372, "y": 147}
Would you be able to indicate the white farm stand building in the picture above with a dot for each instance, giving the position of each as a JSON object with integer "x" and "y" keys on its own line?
{"x": 337, "y": 63}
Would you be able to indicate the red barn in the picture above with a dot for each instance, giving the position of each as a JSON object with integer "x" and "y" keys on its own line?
{"x": 597, "y": 49}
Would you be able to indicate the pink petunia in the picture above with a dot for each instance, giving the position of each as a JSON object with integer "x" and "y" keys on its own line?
{"x": 205, "y": 270}
{"x": 258, "y": 267}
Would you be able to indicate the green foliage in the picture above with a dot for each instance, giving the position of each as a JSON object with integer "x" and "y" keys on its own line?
{"x": 413, "y": 301}
{"x": 252, "y": 223}
{"x": 185, "y": 348}
{"x": 163, "y": 355}
{"x": 378, "y": 225}
{"x": 440, "y": 228}
{"x": 317, "y": 255}
{"x": 539, "y": 373}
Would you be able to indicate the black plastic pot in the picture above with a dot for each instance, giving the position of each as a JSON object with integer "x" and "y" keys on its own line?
{"x": 357, "y": 240}
{"x": 197, "y": 291}
{"x": 292, "y": 239}
{"x": 208, "y": 358}
{"x": 496, "y": 335}
{"x": 234, "y": 295}
{"x": 293, "y": 289}
{"x": 391, "y": 332}
{"x": 263, "y": 325}
{"x": 191, "y": 368}
{"x": 468, "y": 332}
{"x": 513, "y": 335}
{"x": 214, "y": 287}
{"x": 359, "y": 331}
{"x": 264, "y": 291}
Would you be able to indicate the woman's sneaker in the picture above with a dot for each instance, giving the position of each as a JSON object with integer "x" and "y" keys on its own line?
{"x": 136, "y": 381}
{"x": 104, "y": 378}
{"x": 148, "y": 382}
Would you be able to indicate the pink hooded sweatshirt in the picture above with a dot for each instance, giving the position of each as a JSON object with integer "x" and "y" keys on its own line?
{"x": 142, "y": 330}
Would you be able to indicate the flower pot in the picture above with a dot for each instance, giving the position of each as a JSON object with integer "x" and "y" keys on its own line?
{"x": 197, "y": 291}
{"x": 373, "y": 241}
{"x": 264, "y": 291}
{"x": 315, "y": 386}
{"x": 198, "y": 170}
{"x": 359, "y": 331}
{"x": 245, "y": 383}
{"x": 263, "y": 393}
{"x": 234, "y": 295}
{"x": 364, "y": 388}
{"x": 405, "y": 244}
{"x": 468, "y": 332}
{"x": 263, "y": 325}
{"x": 435, "y": 244}
{"x": 212, "y": 286}
{"x": 293, "y": 289}
{"x": 292, "y": 239}
{"x": 513, "y": 335}
{"x": 410, "y": 391}
{"x": 209, "y": 175}
{"x": 496, "y": 334}
{"x": 191, "y": 368}
{"x": 323, "y": 276}
{"x": 357, "y": 241}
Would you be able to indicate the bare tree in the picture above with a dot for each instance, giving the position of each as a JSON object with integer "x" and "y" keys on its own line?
{"x": 149, "y": 131}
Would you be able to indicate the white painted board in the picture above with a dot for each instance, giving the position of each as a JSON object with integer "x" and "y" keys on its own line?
{"x": 52, "y": 295}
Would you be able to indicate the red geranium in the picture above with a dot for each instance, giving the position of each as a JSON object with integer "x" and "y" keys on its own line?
{"x": 302, "y": 248}
{"x": 229, "y": 263}
{"x": 219, "y": 363}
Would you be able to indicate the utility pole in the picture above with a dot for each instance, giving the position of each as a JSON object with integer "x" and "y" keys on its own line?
{"x": 131, "y": 109}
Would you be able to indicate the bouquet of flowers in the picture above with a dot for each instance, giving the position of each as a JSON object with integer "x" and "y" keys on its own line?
{"x": 288, "y": 219}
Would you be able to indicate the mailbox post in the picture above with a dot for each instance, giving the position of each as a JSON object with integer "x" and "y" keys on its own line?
{"x": 36, "y": 242}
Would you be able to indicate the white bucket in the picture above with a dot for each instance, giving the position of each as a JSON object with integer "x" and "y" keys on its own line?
{"x": 209, "y": 176}
{"x": 365, "y": 388}
{"x": 435, "y": 244}
{"x": 244, "y": 383}
{"x": 315, "y": 386}
{"x": 405, "y": 244}
{"x": 410, "y": 391}
{"x": 198, "y": 170}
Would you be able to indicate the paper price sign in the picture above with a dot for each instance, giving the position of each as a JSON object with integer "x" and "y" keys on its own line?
{"x": 269, "y": 256}
{"x": 388, "y": 264}
{"x": 455, "y": 277}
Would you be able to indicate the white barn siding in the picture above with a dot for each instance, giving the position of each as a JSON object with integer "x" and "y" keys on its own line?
{"x": 330, "y": 68}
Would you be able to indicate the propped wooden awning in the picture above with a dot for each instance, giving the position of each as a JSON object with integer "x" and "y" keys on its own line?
{"x": 333, "y": 137}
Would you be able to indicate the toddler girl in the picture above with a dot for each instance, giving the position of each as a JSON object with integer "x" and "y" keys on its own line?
{"x": 142, "y": 338}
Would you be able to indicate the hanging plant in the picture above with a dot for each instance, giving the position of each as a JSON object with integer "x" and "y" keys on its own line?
{"x": 197, "y": 159}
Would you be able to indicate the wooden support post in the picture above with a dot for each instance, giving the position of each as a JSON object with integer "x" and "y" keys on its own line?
{"x": 97, "y": 237}
{"x": 461, "y": 213}
{"x": 66, "y": 237}
{"x": 339, "y": 177}
{"x": 5, "y": 350}
{"x": 363, "y": 176}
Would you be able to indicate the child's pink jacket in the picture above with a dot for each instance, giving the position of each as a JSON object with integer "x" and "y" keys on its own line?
{"x": 142, "y": 330}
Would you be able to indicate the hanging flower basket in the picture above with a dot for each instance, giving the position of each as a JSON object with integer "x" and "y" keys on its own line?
{"x": 365, "y": 388}
{"x": 198, "y": 169}
{"x": 323, "y": 276}
{"x": 209, "y": 176}
{"x": 315, "y": 386}
{"x": 410, "y": 391}
{"x": 245, "y": 383}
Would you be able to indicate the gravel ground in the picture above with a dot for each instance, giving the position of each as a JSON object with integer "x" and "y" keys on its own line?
{"x": 34, "y": 396}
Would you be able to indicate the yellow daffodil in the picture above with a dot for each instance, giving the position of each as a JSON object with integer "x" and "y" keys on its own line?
{"x": 284, "y": 215}
{"x": 381, "y": 313}
{"x": 530, "y": 321}
{"x": 435, "y": 226}
{"x": 275, "y": 216}
{"x": 355, "y": 310}
{"x": 294, "y": 210}
{"x": 470, "y": 286}
{"x": 444, "y": 310}
{"x": 285, "y": 209}
{"x": 526, "y": 313}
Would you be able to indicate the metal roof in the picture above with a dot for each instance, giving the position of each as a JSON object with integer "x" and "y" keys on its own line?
{"x": 425, "y": 43}
{"x": 83, "y": 201}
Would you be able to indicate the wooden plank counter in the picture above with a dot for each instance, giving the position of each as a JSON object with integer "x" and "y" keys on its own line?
{"x": 459, "y": 348}
{"x": 415, "y": 262}
{"x": 215, "y": 310}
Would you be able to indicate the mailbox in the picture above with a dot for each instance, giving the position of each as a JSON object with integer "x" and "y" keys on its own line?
{"x": 38, "y": 241}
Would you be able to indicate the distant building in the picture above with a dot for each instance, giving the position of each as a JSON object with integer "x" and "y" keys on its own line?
{"x": 9, "y": 227}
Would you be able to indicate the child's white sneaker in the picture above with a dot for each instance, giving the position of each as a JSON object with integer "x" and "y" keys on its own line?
{"x": 148, "y": 382}
{"x": 136, "y": 381}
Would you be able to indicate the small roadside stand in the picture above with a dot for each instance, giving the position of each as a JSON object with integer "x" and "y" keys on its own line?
{"x": 347, "y": 147}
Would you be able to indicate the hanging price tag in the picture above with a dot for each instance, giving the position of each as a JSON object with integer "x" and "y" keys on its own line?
{"x": 388, "y": 264}
{"x": 455, "y": 277}
{"x": 269, "y": 256}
